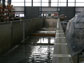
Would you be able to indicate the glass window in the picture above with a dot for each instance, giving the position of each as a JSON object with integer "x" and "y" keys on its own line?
{"x": 79, "y": 1}
{"x": 62, "y": 0}
{"x": 45, "y": 4}
{"x": 71, "y": 4}
{"x": 80, "y": 4}
{"x": 45, "y": 1}
{"x": 28, "y": 0}
{"x": 28, "y": 4}
{"x": 62, "y": 4}
{"x": 18, "y": 1}
{"x": 36, "y": 1}
{"x": 36, "y": 4}
{"x": 54, "y": 0}
{"x": 71, "y": 0}
{"x": 53, "y": 4}
{"x": 17, "y": 4}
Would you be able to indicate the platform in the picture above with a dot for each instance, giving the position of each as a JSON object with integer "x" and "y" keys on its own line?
{"x": 61, "y": 51}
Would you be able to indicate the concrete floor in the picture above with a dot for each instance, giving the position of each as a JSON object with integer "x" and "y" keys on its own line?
{"x": 34, "y": 50}
{"x": 61, "y": 51}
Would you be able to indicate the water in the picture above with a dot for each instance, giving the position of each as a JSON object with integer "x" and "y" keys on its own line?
{"x": 34, "y": 50}
{"x": 42, "y": 50}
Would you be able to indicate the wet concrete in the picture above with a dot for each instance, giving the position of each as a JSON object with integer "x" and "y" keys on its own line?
{"x": 34, "y": 50}
{"x": 61, "y": 51}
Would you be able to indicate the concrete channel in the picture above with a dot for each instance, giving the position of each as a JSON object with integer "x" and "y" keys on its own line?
{"x": 41, "y": 48}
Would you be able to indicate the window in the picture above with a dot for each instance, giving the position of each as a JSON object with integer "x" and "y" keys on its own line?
{"x": 62, "y": 4}
{"x": 54, "y": 1}
{"x": 53, "y": 4}
{"x": 17, "y": 1}
{"x": 45, "y": 4}
{"x": 21, "y": 15}
{"x": 18, "y": 4}
{"x": 71, "y": 3}
{"x": 6, "y": 2}
{"x": 80, "y": 4}
{"x": 63, "y": 1}
{"x": 46, "y": 1}
{"x": 37, "y": 1}
{"x": 36, "y": 4}
{"x": 28, "y": 4}
{"x": 80, "y": 1}
{"x": 27, "y": 1}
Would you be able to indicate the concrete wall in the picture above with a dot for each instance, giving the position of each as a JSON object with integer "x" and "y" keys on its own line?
{"x": 12, "y": 33}
{"x": 79, "y": 9}
{"x": 17, "y": 32}
{"x": 5, "y": 36}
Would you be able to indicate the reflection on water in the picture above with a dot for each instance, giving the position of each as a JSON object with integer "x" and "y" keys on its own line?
{"x": 46, "y": 40}
{"x": 35, "y": 50}
{"x": 42, "y": 53}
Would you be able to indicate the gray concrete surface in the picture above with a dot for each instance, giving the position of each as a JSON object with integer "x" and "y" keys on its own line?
{"x": 61, "y": 51}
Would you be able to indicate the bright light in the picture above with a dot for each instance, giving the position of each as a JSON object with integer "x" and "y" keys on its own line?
{"x": 80, "y": 1}
{"x": 28, "y": 4}
{"x": 17, "y": 4}
{"x": 54, "y": 1}
{"x": 18, "y": 1}
{"x": 63, "y": 1}
{"x": 71, "y": 0}
{"x": 36, "y": 1}
{"x": 62, "y": 4}
{"x": 36, "y": 4}
{"x": 53, "y": 4}
{"x": 71, "y": 4}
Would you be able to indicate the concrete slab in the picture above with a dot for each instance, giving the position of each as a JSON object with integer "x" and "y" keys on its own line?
{"x": 61, "y": 52}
